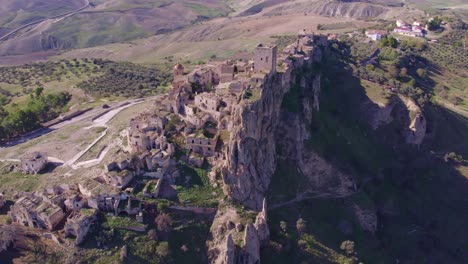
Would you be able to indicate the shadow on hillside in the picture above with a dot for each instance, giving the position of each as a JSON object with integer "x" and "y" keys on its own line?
{"x": 22, "y": 139}
{"x": 419, "y": 197}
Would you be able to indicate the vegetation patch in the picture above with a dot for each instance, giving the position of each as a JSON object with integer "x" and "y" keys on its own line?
{"x": 198, "y": 190}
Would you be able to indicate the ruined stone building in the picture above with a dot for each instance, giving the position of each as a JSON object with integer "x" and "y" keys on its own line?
{"x": 206, "y": 77}
{"x": 265, "y": 58}
{"x": 207, "y": 102}
{"x": 128, "y": 206}
{"x": 33, "y": 163}
{"x": 79, "y": 223}
{"x": 100, "y": 196}
{"x": 75, "y": 202}
{"x": 33, "y": 211}
{"x": 118, "y": 178}
{"x": 201, "y": 144}
{"x": 226, "y": 71}
{"x": 144, "y": 130}
{"x": 152, "y": 188}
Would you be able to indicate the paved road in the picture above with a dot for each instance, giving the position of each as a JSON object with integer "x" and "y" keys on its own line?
{"x": 11, "y": 33}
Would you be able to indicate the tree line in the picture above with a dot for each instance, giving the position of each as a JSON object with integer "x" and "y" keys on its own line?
{"x": 38, "y": 109}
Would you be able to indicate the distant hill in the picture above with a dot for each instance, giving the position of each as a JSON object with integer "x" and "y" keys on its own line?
{"x": 15, "y": 13}
{"x": 110, "y": 21}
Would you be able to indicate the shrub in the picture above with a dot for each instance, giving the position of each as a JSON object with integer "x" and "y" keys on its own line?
{"x": 348, "y": 247}
{"x": 301, "y": 226}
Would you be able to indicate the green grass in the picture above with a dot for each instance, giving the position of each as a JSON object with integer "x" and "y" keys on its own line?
{"x": 119, "y": 222}
{"x": 402, "y": 179}
{"x": 207, "y": 12}
{"x": 194, "y": 236}
{"x": 323, "y": 238}
{"x": 18, "y": 182}
{"x": 199, "y": 191}
{"x": 375, "y": 92}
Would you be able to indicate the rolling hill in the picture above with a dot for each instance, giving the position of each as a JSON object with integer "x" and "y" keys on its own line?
{"x": 105, "y": 22}
{"x": 14, "y": 13}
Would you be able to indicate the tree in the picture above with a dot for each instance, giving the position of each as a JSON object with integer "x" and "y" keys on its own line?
{"x": 404, "y": 72}
{"x": 370, "y": 67}
{"x": 301, "y": 226}
{"x": 38, "y": 91}
{"x": 392, "y": 42}
{"x": 394, "y": 71}
{"x": 434, "y": 23}
{"x": 348, "y": 247}
{"x": 283, "y": 226}
{"x": 422, "y": 73}
{"x": 163, "y": 224}
{"x": 163, "y": 249}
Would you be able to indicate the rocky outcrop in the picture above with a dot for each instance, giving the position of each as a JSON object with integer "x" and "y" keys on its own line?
{"x": 261, "y": 225}
{"x": 367, "y": 218}
{"x": 379, "y": 114}
{"x": 251, "y": 254}
{"x": 251, "y": 152}
{"x": 401, "y": 109}
{"x": 417, "y": 127}
{"x": 237, "y": 245}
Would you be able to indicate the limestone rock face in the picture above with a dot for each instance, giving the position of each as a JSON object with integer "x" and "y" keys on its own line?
{"x": 402, "y": 109}
{"x": 416, "y": 131}
{"x": 251, "y": 152}
{"x": 222, "y": 249}
{"x": 261, "y": 225}
{"x": 380, "y": 115}
{"x": 251, "y": 246}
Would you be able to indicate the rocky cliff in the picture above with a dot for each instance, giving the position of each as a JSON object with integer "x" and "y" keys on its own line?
{"x": 403, "y": 110}
{"x": 252, "y": 149}
{"x": 267, "y": 130}
{"x": 232, "y": 243}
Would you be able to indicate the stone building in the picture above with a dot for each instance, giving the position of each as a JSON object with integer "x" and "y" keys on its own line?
{"x": 100, "y": 196}
{"x": 33, "y": 211}
{"x": 207, "y": 102}
{"x": 78, "y": 224}
{"x": 34, "y": 162}
{"x": 265, "y": 58}
{"x": 129, "y": 206}
{"x": 206, "y": 77}
{"x": 226, "y": 71}
{"x": 75, "y": 202}
{"x": 201, "y": 144}
{"x": 118, "y": 178}
{"x": 152, "y": 188}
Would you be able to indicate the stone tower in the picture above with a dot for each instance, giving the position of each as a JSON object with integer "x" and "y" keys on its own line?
{"x": 265, "y": 58}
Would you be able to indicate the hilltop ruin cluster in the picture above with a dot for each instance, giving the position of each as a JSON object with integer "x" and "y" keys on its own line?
{"x": 192, "y": 125}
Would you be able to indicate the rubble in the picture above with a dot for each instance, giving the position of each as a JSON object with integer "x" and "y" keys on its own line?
{"x": 33, "y": 163}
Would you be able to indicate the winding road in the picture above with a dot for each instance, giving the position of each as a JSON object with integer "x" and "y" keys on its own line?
{"x": 14, "y": 31}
